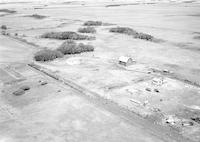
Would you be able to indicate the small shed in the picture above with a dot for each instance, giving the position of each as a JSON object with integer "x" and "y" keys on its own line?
{"x": 125, "y": 60}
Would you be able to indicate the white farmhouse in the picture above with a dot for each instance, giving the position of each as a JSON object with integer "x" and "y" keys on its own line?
{"x": 125, "y": 60}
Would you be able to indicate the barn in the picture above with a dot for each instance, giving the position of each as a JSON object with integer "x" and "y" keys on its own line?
{"x": 125, "y": 60}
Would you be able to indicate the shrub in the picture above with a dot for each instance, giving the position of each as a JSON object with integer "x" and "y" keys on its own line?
{"x": 85, "y": 47}
{"x": 47, "y": 55}
{"x": 7, "y": 11}
{"x": 93, "y": 23}
{"x": 4, "y": 27}
{"x": 70, "y": 47}
{"x": 67, "y": 35}
{"x": 87, "y": 30}
{"x": 123, "y": 30}
{"x": 25, "y": 88}
{"x": 196, "y": 37}
{"x": 129, "y": 31}
{"x": 144, "y": 36}
{"x": 113, "y": 5}
{"x": 19, "y": 92}
{"x": 36, "y": 16}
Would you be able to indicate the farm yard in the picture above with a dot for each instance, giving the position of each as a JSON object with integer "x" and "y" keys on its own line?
{"x": 73, "y": 70}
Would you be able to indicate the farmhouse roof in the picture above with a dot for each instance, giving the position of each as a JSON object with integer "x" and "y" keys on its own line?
{"x": 124, "y": 59}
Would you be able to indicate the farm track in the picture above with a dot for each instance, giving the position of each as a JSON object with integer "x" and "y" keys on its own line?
{"x": 24, "y": 42}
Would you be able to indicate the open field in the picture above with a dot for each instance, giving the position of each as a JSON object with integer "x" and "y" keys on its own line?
{"x": 161, "y": 37}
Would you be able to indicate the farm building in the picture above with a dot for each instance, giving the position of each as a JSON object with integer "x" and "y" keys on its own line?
{"x": 125, "y": 60}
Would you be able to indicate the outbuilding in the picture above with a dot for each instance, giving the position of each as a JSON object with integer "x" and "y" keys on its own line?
{"x": 123, "y": 60}
{"x": 157, "y": 81}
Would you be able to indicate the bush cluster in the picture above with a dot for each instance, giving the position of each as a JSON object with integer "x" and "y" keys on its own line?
{"x": 123, "y": 30}
{"x": 67, "y": 35}
{"x": 7, "y": 11}
{"x": 70, "y": 47}
{"x": 87, "y": 30}
{"x": 47, "y": 55}
{"x": 85, "y": 47}
{"x": 93, "y": 23}
{"x": 129, "y": 31}
{"x": 36, "y": 16}
{"x": 144, "y": 36}
{"x": 18, "y": 92}
{"x": 196, "y": 37}
{"x": 4, "y": 27}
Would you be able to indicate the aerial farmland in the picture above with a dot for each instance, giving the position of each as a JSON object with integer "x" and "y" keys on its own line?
{"x": 100, "y": 71}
